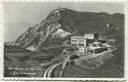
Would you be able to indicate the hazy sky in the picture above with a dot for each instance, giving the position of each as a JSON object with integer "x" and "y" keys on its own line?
{"x": 20, "y": 15}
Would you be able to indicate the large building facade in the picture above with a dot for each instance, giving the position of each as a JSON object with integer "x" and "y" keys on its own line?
{"x": 82, "y": 41}
{"x": 78, "y": 41}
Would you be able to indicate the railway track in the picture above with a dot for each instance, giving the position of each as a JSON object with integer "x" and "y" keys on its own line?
{"x": 49, "y": 72}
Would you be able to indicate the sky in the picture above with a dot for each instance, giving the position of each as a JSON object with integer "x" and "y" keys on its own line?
{"x": 18, "y": 16}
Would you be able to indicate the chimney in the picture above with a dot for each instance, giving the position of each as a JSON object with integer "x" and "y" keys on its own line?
{"x": 96, "y": 36}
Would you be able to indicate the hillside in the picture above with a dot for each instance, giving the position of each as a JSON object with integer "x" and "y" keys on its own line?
{"x": 16, "y": 57}
{"x": 69, "y": 21}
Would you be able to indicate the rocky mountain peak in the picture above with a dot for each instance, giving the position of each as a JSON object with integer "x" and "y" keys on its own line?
{"x": 41, "y": 33}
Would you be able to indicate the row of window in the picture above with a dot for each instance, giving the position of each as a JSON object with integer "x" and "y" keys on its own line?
{"x": 80, "y": 44}
{"x": 98, "y": 50}
{"x": 97, "y": 45}
{"x": 78, "y": 40}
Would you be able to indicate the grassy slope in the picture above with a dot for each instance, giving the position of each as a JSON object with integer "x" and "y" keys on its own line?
{"x": 95, "y": 22}
{"x": 18, "y": 57}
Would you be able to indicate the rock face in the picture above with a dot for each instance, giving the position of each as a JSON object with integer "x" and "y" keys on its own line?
{"x": 39, "y": 35}
{"x": 62, "y": 22}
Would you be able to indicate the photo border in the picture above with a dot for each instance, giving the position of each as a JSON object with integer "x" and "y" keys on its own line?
{"x": 63, "y": 1}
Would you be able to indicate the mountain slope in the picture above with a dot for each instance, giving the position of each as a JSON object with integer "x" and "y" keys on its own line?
{"x": 69, "y": 22}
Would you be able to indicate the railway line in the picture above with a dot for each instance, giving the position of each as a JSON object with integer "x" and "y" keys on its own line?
{"x": 49, "y": 72}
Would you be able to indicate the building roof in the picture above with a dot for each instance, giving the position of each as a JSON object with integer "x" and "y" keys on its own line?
{"x": 96, "y": 42}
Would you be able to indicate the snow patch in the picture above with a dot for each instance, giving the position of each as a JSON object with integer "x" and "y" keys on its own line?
{"x": 33, "y": 48}
{"x": 62, "y": 33}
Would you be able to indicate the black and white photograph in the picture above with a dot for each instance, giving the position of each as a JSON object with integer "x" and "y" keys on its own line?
{"x": 64, "y": 40}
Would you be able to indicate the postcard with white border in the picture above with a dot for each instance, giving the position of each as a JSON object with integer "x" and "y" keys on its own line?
{"x": 63, "y": 39}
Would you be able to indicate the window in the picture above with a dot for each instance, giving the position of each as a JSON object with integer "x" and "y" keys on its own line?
{"x": 80, "y": 44}
{"x": 74, "y": 44}
{"x": 94, "y": 45}
{"x": 91, "y": 51}
{"x": 100, "y": 45}
{"x": 105, "y": 49}
{"x": 74, "y": 40}
{"x": 96, "y": 51}
{"x": 88, "y": 50}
